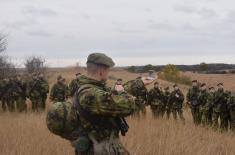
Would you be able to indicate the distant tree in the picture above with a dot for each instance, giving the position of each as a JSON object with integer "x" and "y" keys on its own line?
{"x": 132, "y": 69}
{"x": 3, "y": 43}
{"x": 35, "y": 64}
{"x": 171, "y": 69}
{"x": 203, "y": 66}
{"x": 171, "y": 73}
{"x": 148, "y": 67}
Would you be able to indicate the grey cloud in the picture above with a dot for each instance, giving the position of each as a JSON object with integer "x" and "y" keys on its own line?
{"x": 40, "y": 33}
{"x": 36, "y": 11}
{"x": 18, "y": 25}
{"x": 185, "y": 8}
{"x": 161, "y": 25}
{"x": 207, "y": 13}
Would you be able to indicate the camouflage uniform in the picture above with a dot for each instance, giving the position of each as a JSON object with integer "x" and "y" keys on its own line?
{"x": 192, "y": 98}
{"x": 166, "y": 96}
{"x": 204, "y": 107}
{"x": 156, "y": 102}
{"x": 220, "y": 110}
{"x": 231, "y": 105}
{"x": 3, "y": 84}
{"x": 211, "y": 100}
{"x": 44, "y": 90}
{"x": 59, "y": 92}
{"x": 34, "y": 94}
{"x": 14, "y": 94}
{"x": 137, "y": 88}
{"x": 176, "y": 100}
{"x": 74, "y": 85}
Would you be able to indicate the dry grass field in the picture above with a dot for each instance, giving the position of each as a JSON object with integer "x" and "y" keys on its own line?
{"x": 26, "y": 134}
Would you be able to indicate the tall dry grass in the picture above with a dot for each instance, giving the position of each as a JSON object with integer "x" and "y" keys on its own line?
{"x": 27, "y": 134}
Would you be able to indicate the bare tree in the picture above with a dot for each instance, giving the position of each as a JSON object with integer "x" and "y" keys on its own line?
{"x": 35, "y": 64}
{"x": 3, "y": 42}
{"x": 7, "y": 69}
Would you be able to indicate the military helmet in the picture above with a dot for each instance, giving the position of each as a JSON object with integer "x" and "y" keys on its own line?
{"x": 61, "y": 119}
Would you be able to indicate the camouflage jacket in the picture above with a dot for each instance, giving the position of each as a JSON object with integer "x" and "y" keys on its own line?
{"x": 14, "y": 88}
{"x": 221, "y": 99}
{"x": 34, "y": 89}
{"x": 137, "y": 88}
{"x": 166, "y": 97}
{"x": 74, "y": 86}
{"x": 176, "y": 99}
{"x": 44, "y": 87}
{"x": 192, "y": 96}
{"x": 59, "y": 92}
{"x": 104, "y": 106}
{"x": 203, "y": 100}
{"x": 156, "y": 97}
{"x": 3, "y": 84}
{"x": 231, "y": 104}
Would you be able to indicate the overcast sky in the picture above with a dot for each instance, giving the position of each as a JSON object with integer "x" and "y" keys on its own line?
{"x": 132, "y": 31}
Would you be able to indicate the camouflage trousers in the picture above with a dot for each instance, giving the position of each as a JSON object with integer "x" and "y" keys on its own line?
{"x": 44, "y": 98}
{"x": 196, "y": 115}
{"x": 112, "y": 146}
{"x": 37, "y": 104}
{"x": 4, "y": 104}
{"x": 16, "y": 103}
{"x": 141, "y": 110}
{"x": 206, "y": 117}
{"x": 178, "y": 112}
{"x": 224, "y": 120}
{"x": 232, "y": 120}
{"x": 158, "y": 111}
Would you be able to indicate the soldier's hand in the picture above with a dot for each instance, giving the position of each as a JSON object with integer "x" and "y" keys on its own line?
{"x": 147, "y": 81}
{"x": 119, "y": 88}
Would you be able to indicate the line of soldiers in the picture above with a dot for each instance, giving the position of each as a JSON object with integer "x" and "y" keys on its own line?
{"x": 161, "y": 102}
{"x": 211, "y": 106}
{"x": 15, "y": 91}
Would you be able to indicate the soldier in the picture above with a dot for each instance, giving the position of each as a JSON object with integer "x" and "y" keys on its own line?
{"x": 101, "y": 113}
{"x": 166, "y": 97}
{"x": 220, "y": 108}
{"x": 231, "y": 105}
{"x": 74, "y": 84}
{"x": 192, "y": 98}
{"x": 176, "y": 99}
{"x": 211, "y": 100}
{"x": 3, "y": 84}
{"x": 59, "y": 91}
{"x": 156, "y": 101}
{"x": 15, "y": 93}
{"x": 137, "y": 88}
{"x": 44, "y": 89}
{"x": 204, "y": 106}
{"x": 34, "y": 93}
{"x": 23, "y": 106}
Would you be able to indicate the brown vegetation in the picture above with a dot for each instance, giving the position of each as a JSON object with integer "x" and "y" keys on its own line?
{"x": 27, "y": 134}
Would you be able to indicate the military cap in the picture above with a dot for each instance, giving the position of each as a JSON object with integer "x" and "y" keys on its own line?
{"x": 119, "y": 79}
{"x": 175, "y": 85}
{"x": 211, "y": 88}
{"x": 203, "y": 84}
{"x": 59, "y": 78}
{"x": 78, "y": 74}
{"x": 220, "y": 84}
{"x": 100, "y": 59}
{"x": 194, "y": 81}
